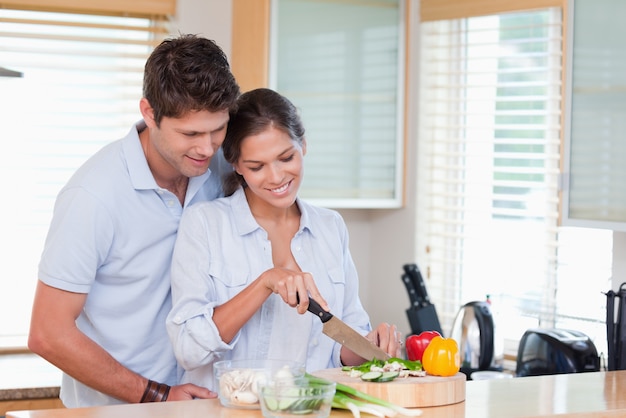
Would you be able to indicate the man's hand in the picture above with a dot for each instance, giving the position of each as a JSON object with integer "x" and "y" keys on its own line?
{"x": 189, "y": 391}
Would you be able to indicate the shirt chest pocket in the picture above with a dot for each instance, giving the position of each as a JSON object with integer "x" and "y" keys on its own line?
{"x": 228, "y": 279}
{"x": 337, "y": 276}
{"x": 337, "y": 280}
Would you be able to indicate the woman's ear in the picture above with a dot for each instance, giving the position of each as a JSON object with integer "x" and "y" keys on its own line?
{"x": 303, "y": 146}
{"x": 147, "y": 112}
{"x": 236, "y": 169}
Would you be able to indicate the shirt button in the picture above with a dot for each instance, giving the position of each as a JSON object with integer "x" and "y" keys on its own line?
{"x": 298, "y": 248}
{"x": 170, "y": 203}
{"x": 160, "y": 191}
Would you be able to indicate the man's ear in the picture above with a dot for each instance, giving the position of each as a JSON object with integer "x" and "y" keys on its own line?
{"x": 147, "y": 112}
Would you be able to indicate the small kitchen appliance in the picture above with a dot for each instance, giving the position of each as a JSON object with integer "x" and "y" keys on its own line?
{"x": 473, "y": 330}
{"x": 555, "y": 351}
{"x": 616, "y": 328}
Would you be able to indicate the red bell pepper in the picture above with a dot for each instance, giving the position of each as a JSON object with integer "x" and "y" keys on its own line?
{"x": 416, "y": 344}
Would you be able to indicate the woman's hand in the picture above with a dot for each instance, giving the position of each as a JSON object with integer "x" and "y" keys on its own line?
{"x": 232, "y": 315}
{"x": 385, "y": 336}
{"x": 388, "y": 338}
{"x": 294, "y": 288}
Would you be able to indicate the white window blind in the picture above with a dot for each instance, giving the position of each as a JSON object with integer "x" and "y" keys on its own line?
{"x": 81, "y": 85}
{"x": 340, "y": 63}
{"x": 489, "y": 156}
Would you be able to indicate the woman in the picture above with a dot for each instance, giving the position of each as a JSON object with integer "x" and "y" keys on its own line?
{"x": 240, "y": 262}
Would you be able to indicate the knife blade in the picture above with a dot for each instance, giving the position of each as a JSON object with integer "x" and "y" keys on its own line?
{"x": 345, "y": 335}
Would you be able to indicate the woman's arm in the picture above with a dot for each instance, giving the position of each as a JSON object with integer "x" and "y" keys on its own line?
{"x": 205, "y": 317}
{"x": 231, "y": 316}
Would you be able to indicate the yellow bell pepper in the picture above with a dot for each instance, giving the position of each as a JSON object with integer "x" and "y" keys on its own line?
{"x": 441, "y": 357}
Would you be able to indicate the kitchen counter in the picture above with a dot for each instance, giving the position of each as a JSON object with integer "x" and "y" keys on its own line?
{"x": 27, "y": 376}
{"x": 567, "y": 395}
{"x": 27, "y": 381}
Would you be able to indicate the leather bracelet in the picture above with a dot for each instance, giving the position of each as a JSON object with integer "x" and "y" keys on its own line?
{"x": 149, "y": 388}
{"x": 166, "y": 393}
{"x": 155, "y": 392}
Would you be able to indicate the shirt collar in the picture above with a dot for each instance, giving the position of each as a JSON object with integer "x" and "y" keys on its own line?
{"x": 139, "y": 171}
{"x": 245, "y": 222}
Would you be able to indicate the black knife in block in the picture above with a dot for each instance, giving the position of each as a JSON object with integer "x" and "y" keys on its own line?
{"x": 418, "y": 282}
{"x": 410, "y": 288}
{"x": 422, "y": 314}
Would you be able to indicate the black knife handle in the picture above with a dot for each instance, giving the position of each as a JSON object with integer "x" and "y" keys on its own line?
{"x": 422, "y": 286}
{"x": 408, "y": 283}
{"x": 418, "y": 283}
{"x": 316, "y": 309}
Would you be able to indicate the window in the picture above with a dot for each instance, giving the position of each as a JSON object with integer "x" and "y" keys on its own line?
{"x": 488, "y": 179}
{"x": 340, "y": 63}
{"x": 81, "y": 85}
{"x": 594, "y": 192}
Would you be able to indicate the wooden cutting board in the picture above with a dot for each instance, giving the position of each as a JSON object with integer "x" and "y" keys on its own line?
{"x": 410, "y": 392}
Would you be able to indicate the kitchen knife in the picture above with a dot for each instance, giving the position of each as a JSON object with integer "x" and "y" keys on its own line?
{"x": 423, "y": 315}
{"x": 410, "y": 287}
{"x": 418, "y": 283}
{"x": 345, "y": 335}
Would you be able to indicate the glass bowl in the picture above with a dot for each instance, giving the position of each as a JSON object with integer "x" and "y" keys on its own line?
{"x": 300, "y": 398}
{"x": 238, "y": 379}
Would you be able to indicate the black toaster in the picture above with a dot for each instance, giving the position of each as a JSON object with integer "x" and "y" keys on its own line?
{"x": 555, "y": 351}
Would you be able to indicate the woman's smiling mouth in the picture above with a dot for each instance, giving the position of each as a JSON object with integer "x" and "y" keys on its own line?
{"x": 282, "y": 188}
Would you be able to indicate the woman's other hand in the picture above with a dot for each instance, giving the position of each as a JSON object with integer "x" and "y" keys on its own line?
{"x": 385, "y": 336}
{"x": 388, "y": 338}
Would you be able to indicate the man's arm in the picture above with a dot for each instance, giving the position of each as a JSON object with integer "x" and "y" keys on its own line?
{"x": 55, "y": 337}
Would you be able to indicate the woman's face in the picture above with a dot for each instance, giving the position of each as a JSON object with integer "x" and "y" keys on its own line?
{"x": 272, "y": 165}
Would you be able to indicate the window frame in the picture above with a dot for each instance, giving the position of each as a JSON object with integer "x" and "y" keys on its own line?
{"x": 400, "y": 140}
{"x": 135, "y": 8}
{"x": 595, "y": 220}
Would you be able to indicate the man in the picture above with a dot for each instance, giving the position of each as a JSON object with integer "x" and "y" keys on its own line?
{"x": 104, "y": 287}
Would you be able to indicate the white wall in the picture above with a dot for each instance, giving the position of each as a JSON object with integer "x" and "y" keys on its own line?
{"x": 209, "y": 18}
{"x": 619, "y": 259}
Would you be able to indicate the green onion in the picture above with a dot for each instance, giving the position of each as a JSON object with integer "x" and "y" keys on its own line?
{"x": 356, "y": 402}
{"x": 356, "y": 406}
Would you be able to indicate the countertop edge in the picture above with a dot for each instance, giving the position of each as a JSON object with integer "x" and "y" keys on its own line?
{"x": 29, "y": 393}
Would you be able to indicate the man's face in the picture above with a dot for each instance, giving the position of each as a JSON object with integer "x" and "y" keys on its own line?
{"x": 185, "y": 145}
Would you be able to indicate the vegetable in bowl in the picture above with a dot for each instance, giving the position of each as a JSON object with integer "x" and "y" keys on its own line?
{"x": 238, "y": 380}
{"x": 302, "y": 397}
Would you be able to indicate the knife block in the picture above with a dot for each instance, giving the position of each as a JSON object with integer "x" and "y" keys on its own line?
{"x": 423, "y": 318}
